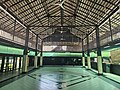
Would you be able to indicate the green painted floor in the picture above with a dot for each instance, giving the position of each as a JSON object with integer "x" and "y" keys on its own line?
{"x": 7, "y": 75}
{"x": 64, "y": 78}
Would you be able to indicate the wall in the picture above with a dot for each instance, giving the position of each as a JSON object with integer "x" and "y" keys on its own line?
{"x": 62, "y": 48}
{"x": 106, "y": 67}
{"x": 115, "y": 56}
{"x": 62, "y": 61}
{"x": 115, "y": 69}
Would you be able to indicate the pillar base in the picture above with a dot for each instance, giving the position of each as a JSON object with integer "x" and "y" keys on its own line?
{"x": 100, "y": 74}
{"x": 83, "y": 66}
{"x": 88, "y": 69}
{"x": 35, "y": 67}
{"x": 24, "y": 72}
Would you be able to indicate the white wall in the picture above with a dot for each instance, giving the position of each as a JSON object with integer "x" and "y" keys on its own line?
{"x": 48, "y": 48}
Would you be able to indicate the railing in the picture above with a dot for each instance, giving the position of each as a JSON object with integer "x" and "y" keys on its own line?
{"x": 61, "y": 43}
{"x": 19, "y": 43}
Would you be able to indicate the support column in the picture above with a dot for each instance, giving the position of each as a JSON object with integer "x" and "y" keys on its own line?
{"x": 110, "y": 30}
{"x": 88, "y": 53}
{"x": 7, "y": 64}
{"x": 25, "y": 53}
{"x": 41, "y": 55}
{"x": 83, "y": 55}
{"x": 19, "y": 63}
{"x": 36, "y": 58}
{"x": 13, "y": 63}
{"x": 3, "y": 62}
{"x": 14, "y": 30}
{"x": 99, "y": 56}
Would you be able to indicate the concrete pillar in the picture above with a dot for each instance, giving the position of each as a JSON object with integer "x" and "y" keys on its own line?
{"x": 88, "y": 62}
{"x": 25, "y": 64}
{"x": 88, "y": 54}
{"x": 83, "y": 61}
{"x": 111, "y": 33}
{"x": 41, "y": 55}
{"x": 25, "y": 53}
{"x": 35, "y": 62}
{"x": 2, "y": 65}
{"x": 99, "y": 61}
{"x": 99, "y": 55}
{"x": 83, "y": 55}
{"x": 41, "y": 61}
{"x": 36, "y": 53}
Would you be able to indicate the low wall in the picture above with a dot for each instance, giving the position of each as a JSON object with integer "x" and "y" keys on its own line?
{"x": 106, "y": 67}
{"x": 112, "y": 68}
{"x": 115, "y": 69}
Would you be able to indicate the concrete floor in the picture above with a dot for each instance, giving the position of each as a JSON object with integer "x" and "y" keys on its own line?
{"x": 6, "y": 75}
{"x": 64, "y": 78}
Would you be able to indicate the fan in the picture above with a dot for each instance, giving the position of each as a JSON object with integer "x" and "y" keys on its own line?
{"x": 61, "y": 4}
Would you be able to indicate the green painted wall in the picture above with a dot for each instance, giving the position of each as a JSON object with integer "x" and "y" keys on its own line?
{"x": 11, "y": 50}
{"x": 67, "y": 54}
{"x": 104, "y": 54}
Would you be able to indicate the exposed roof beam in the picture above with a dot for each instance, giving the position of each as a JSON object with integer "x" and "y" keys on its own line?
{"x": 62, "y": 26}
{"x": 15, "y": 3}
{"x": 109, "y": 2}
{"x": 77, "y": 7}
{"x": 89, "y": 6}
{"x": 91, "y": 11}
{"x": 80, "y": 17}
{"x": 116, "y": 8}
{"x": 45, "y": 30}
{"x": 7, "y": 11}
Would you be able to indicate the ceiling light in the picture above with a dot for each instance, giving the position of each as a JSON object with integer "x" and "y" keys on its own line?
{"x": 61, "y": 31}
{"x": 62, "y": 39}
